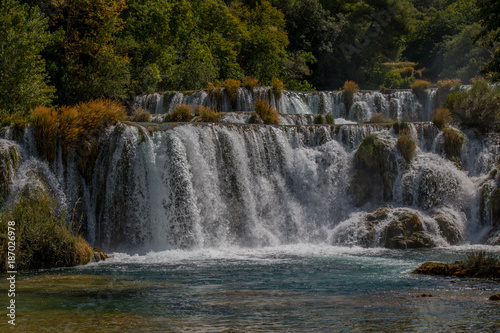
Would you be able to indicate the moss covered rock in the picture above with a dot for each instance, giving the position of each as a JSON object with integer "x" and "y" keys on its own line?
{"x": 375, "y": 170}
{"x": 406, "y": 232}
{"x": 9, "y": 160}
{"x": 395, "y": 228}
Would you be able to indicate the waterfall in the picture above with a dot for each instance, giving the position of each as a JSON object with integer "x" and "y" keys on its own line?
{"x": 210, "y": 185}
{"x": 401, "y": 104}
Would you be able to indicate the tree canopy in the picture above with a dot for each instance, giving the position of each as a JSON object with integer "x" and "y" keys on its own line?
{"x": 73, "y": 51}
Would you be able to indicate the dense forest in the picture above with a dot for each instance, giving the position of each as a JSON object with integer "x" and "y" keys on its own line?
{"x": 57, "y": 52}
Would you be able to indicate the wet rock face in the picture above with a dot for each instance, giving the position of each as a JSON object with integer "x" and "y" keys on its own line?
{"x": 375, "y": 171}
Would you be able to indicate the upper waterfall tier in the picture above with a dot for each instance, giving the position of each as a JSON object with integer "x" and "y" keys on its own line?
{"x": 400, "y": 104}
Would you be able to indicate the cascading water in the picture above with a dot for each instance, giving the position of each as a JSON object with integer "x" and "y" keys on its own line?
{"x": 200, "y": 186}
{"x": 401, "y": 104}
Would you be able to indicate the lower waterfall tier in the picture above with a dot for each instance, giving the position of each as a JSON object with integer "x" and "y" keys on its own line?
{"x": 201, "y": 185}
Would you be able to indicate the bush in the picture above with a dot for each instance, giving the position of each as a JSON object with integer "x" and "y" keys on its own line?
{"x": 324, "y": 119}
{"x": 277, "y": 87}
{"x": 482, "y": 264}
{"x": 453, "y": 143}
{"x": 71, "y": 123}
{"x": 141, "y": 115}
{"x": 477, "y": 108}
{"x": 207, "y": 115}
{"x": 441, "y": 118}
{"x": 405, "y": 71}
{"x": 348, "y": 90}
{"x": 419, "y": 87}
{"x": 266, "y": 112}
{"x": 18, "y": 120}
{"x": 329, "y": 119}
{"x": 250, "y": 82}
{"x": 379, "y": 118}
{"x": 43, "y": 237}
{"x": 319, "y": 119}
{"x": 406, "y": 146}
{"x": 181, "y": 113}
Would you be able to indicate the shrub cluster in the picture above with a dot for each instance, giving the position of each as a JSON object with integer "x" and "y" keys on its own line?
{"x": 324, "y": 119}
{"x": 250, "y": 82}
{"x": 266, "y": 112}
{"x": 406, "y": 146}
{"x": 477, "y": 108}
{"x": 419, "y": 87}
{"x": 206, "y": 114}
{"x": 71, "y": 123}
{"x": 441, "y": 118}
{"x": 44, "y": 238}
{"x": 181, "y": 113}
{"x": 140, "y": 115}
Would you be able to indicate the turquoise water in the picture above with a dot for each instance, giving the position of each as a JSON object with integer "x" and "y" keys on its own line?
{"x": 295, "y": 288}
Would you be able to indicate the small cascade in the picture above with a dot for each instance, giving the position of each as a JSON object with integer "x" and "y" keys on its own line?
{"x": 400, "y": 104}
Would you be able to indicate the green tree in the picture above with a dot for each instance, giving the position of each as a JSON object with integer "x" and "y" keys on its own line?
{"x": 89, "y": 65}
{"x": 462, "y": 58}
{"x": 489, "y": 12}
{"x": 24, "y": 35}
{"x": 262, "y": 54}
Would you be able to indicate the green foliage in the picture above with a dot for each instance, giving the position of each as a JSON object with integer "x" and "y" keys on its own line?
{"x": 264, "y": 49}
{"x": 266, "y": 112}
{"x": 406, "y": 146}
{"x": 24, "y": 35}
{"x": 324, "y": 119}
{"x": 477, "y": 108}
{"x": 88, "y": 64}
{"x": 44, "y": 235}
{"x": 329, "y": 119}
{"x": 489, "y": 11}
{"x": 462, "y": 58}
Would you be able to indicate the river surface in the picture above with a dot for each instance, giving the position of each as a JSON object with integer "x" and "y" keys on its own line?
{"x": 294, "y": 288}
